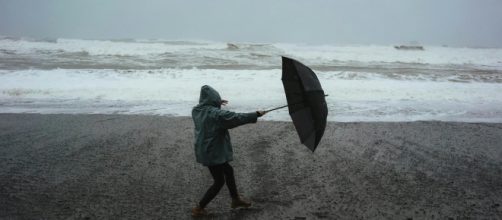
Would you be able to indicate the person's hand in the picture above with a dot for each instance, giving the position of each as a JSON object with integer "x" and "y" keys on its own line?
{"x": 261, "y": 113}
{"x": 224, "y": 102}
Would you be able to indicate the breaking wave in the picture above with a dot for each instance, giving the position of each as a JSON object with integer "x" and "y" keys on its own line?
{"x": 158, "y": 53}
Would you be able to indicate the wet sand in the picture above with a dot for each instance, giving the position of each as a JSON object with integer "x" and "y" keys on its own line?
{"x": 143, "y": 167}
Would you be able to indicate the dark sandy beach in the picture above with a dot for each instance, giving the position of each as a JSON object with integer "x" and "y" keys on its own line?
{"x": 143, "y": 167}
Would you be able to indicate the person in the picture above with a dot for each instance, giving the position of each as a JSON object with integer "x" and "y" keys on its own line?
{"x": 212, "y": 145}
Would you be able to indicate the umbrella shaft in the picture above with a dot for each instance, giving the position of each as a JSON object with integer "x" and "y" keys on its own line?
{"x": 284, "y": 106}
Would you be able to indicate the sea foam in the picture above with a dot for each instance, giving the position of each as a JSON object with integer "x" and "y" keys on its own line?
{"x": 176, "y": 91}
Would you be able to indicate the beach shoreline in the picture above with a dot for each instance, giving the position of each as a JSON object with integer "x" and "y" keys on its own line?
{"x": 64, "y": 166}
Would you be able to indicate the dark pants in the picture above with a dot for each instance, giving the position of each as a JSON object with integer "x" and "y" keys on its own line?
{"x": 221, "y": 173}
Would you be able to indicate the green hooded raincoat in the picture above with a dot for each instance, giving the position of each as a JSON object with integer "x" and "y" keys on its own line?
{"x": 212, "y": 141}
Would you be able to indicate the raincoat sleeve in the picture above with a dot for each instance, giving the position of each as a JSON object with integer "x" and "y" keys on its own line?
{"x": 230, "y": 119}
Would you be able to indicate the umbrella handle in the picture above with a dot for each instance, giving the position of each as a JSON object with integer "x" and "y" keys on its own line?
{"x": 284, "y": 106}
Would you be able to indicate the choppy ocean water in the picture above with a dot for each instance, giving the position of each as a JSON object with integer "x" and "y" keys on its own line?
{"x": 135, "y": 76}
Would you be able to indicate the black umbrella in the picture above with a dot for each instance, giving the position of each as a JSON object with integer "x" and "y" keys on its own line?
{"x": 306, "y": 102}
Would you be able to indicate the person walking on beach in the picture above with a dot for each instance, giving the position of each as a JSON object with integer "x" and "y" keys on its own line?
{"x": 212, "y": 145}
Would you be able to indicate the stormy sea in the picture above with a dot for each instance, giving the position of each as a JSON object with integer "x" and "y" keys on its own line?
{"x": 89, "y": 129}
{"x": 163, "y": 77}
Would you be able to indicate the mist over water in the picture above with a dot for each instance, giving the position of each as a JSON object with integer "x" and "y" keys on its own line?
{"x": 459, "y": 23}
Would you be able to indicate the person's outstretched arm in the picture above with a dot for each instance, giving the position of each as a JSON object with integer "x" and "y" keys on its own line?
{"x": 231, "y": 120}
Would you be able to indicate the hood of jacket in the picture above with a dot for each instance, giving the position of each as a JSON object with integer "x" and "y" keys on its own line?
{"x": 209, "y": 96}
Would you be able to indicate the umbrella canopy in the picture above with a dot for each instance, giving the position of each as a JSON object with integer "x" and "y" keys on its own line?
{"x": 306, "y": 102}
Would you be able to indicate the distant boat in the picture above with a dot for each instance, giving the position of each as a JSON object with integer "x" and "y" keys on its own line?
{"x": 409, "y": 47}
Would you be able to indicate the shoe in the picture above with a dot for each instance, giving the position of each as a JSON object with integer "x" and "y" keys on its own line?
{"x": 198, "y": 212}
{"x": 240, "y": 202}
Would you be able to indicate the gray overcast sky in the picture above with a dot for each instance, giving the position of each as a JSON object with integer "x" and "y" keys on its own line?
{"x": 452, "y": 22}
